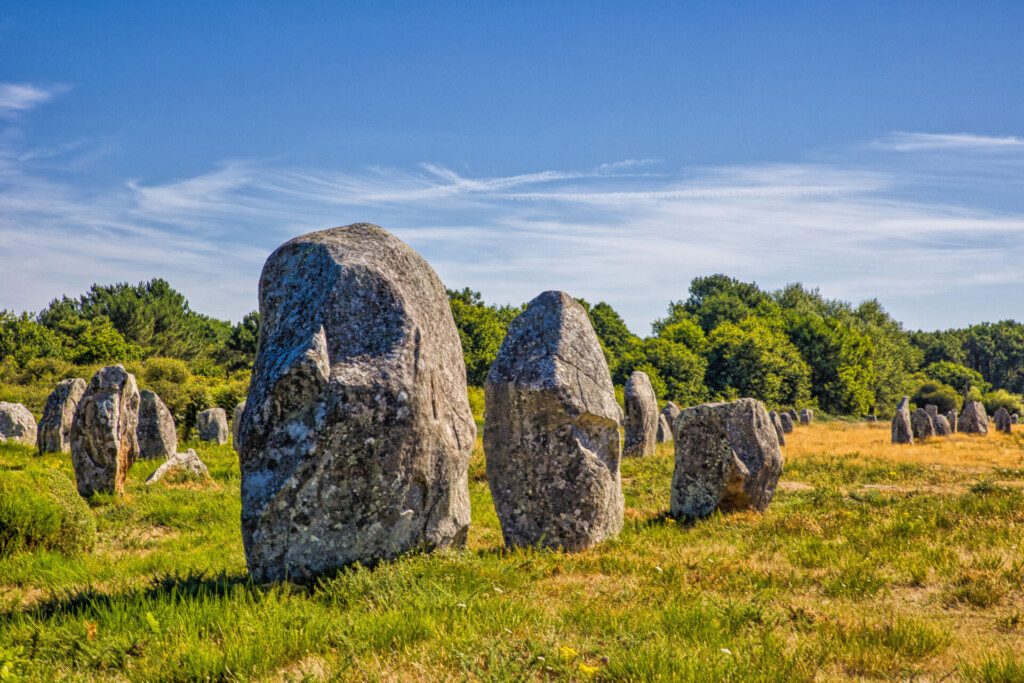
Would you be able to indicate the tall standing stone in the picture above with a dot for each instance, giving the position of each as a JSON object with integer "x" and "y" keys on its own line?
{"x": 17, "y": 423}
{"x": 356, "y": 434}
{"x": 158, "y": 437}
{"x": 902, "y": 428}
{"x": 1002, "y": 420}
{"x": 777, "y": 424}
{"x": 727, "y": 457}
{"x": 551, "y": 430}
{"x": 212, "y": 425}
{"x": 641, "y": 416}
{"x": 922, "y": 424}
{"x": 786, "y": 420}
{"x": 951, "y": 418}
{"x": 973, "y": 419}
{"x": 236, "y": 420}
{"x": 104, "y": 443}
{"x": 54, "y": 434}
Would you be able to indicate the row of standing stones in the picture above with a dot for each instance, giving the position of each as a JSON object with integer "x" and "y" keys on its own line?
{"x": 927, "y": 422}
{"x": 355, "y": 437}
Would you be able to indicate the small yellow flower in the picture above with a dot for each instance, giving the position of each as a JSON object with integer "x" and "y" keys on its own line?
{"x": 588, "y": 671}
{"x": 567, "y": 654}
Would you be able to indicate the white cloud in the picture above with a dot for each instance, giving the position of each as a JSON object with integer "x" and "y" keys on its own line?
{"x": 931, "y": 142}
{"x": 21, "y": 97}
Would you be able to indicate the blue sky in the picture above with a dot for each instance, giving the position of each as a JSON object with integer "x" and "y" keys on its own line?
{"x": 613, "y": 150}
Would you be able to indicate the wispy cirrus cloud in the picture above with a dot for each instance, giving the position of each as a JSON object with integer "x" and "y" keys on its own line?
{"x": 16, "y": 98}
{"x": 945, "y": 142}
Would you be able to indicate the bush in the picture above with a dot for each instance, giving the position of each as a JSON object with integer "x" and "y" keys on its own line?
{"x": 1001, "y": 398}
{"x": 942, "y": 396}
{"x": 41, "y": 509}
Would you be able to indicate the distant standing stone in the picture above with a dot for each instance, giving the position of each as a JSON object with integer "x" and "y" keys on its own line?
{"x": 793, "y": 416}
{"x": 727, "y": 457}
{"x": 236, "y": 419}
{"x": 551, "y": 430}
{"x": 952, "y": 420}
{"x": 902, "y": 428}
{"x": 786, "y": 420}
{"x": 1002, "y": 420}
{"x": 355, "y": 439}
{"x": 1014, "y": 418}
{"x": 641, "y": 416}
{"x": 664, "y": 431}
{"x": 158, "y": 437}
{"x": 184, "y": 462}
{"x": 871, "y": 418}
{"x": 942, "y": 427}
{"x": 212, "y": 425}
{"x": 54, "y": 434}
{"x": 17, "y": 423}
{"x": 671, "y": 411}
{"x": 973, "y": 419}
{"x": 104, "y": 443}
{"x": 806, "y": 416}
{"x": 777, "y": 424}
{"x": 922, "y": 424}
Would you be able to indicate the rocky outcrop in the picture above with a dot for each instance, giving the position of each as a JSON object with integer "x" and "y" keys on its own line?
{"x": 641, "y": 416}
{"x": 17, "y": 424}
{"x": 727, "y": 457}
{"x": 54, "y": 432}
{"x": 158, "y": 437}
{"x": 551, "y": 434}
{"x": 356, "y": 433}
{"x": 902, "y": 427}
{"x": 104, "y": 443}
{"x": 973, "y": 419}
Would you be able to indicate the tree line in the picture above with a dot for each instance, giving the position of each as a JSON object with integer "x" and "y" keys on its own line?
{"x": 725, "y": 339}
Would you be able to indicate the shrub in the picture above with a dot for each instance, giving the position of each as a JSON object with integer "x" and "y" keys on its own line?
{"x": 940, "y": 395}
{"x": 1001, "y": 398}
{"x": 40, "y": 508}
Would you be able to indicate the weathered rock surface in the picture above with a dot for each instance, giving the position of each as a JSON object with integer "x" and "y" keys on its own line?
{"x": 641, "y": 416}
{"x": 54, "y": 432}
{"x": 1002, "y": 420}
{"x": 786, "y": 420}
{"x": 17, "y": 423}
{"x": 236, "y": 419}
{"x": 942, "y": 426}
{"x": 806, "y": 416}
{"x": 922, "y": 424}
{"x": 951, "y": 418}
{"x": 973, "y": 418}
{"x": 671, "y": 411}
{"x": 551, "y": 434}
{"x": 157, "y": 435}
{"x": 777, "y": 424}
{"x": 727, "y": 457}
{"x": 188, "y": 463}
{"x": 902, "y": 427}
{"x": 104, "y": 443}
{"x": 212, "y": 425}
{"x": 356, "y": 434}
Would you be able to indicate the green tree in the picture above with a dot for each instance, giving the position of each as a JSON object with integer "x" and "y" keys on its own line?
{"x": 481, "y": 328}
{"x": 755, "y": 359}
{"x": 960, "y": 377}
{"x": 23, "y": 339}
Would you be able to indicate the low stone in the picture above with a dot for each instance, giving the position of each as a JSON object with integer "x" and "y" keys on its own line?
{"x": 922, "y": 424}
{"x": 777, "y": 424}
{"x": 902, "y": 427}
{"x": 806, "y": 416}
{"x": 17, "y": 424}
{"x": 942, "y": 427}
{"x": 212, "y": 425}
{"x": 551, "y": 430}
{"x": 793, "y": 416}
{"x": 951, "y": 418}
{"x": 671, "y": 411}
{"x": 727, "y": 458}
{"x": 664, "y": 430}
{"x": 1002, "y": 420}
{"x": 158, "y": 437}
{"x": 1014, "y": 419}
{"x": 188, "y": 463}
{"x": 104, "y": 442}
{"x": 54, "y": 432}
{"x": 235, "y": 420}
{"x": 641, "y": 416}
{"x": 973, "y": 419}
{"x": 786, "y": 420}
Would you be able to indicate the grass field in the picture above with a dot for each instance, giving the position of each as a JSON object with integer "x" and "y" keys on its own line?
{"x": 874, "y": 561}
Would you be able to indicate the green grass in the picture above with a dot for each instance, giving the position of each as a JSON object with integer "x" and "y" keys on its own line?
{"x": 836, "y": 580}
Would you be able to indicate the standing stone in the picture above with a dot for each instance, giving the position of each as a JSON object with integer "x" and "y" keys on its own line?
{"x": 871, "y": 418}
{"x": 551, "y": 430}
{"x": 355, "y": 438}
{"x": 786, "y": 420}
{"x": 806, "y": 416}
{"x": 973, "y": 418}
{"x": 236, "y": 419}
{"x": 932, "y": 410}
{"x": 1002, "y": 420}
{"x": 664, "y": 430}
{"x": 951, "y": 419}
{"x": 54, "y": 435}
{"x": 212, "y": 425}
{"x": 157, "y": 435}
{"x": 777, "y": 424}
{"x": 727, "y": 457}
{"x": 922, "y": 424}
{"x": 942, "y": 427}
{"x": 793, "y": 416}
{"x": 1014, "y": 419}
{"x": 671, "y": 411}
{"x": 641, "y": 416}
{"x": 104, "y": 443}
{"x": 902, "y": 428}
{"x": 187, "y": 463}
{"x": 17, "y": 423}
